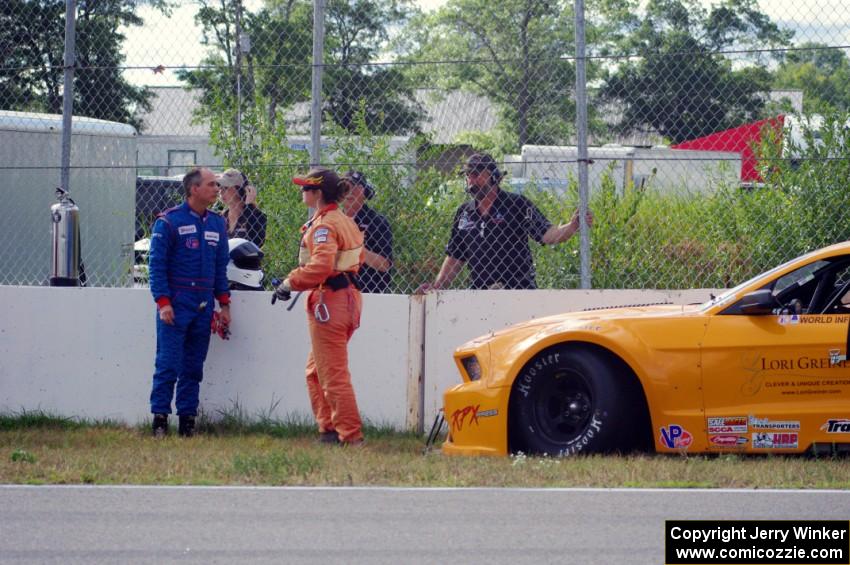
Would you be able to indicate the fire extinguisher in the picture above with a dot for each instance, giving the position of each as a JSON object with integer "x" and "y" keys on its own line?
{"x": 67, "y": 264}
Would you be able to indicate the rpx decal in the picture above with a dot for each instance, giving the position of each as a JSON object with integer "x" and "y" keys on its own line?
{"x": 459, "y": 417}
{"x": 835, "y": 426}
{"x": 675, "y": 436}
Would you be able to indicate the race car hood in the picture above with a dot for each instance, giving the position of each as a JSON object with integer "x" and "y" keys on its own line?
{"x": 578, "y": 319}
{"x": 512, "y": 346}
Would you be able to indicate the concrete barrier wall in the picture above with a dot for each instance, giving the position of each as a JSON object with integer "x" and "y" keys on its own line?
{"x": 89, "y": 352}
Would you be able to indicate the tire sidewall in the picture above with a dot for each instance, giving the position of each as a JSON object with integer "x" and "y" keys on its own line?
{"x": 599, "y": 433}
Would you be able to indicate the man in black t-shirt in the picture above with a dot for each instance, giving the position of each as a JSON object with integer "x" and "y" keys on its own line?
{"x": 375, "y": 272}
{"x": 490, "y": 233}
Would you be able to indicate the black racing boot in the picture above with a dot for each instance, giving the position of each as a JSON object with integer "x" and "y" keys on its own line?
{"x": 160, "y": 425}
{"x": 186, "y": 428}
{"x": 329, "y": 437}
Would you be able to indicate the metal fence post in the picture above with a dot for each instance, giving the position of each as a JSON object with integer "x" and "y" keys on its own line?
{"x": 68, "y": 93}
{"x": 239, "y": 79}
{"x": 316, "y": 96}
{"x": 581, "y": 132}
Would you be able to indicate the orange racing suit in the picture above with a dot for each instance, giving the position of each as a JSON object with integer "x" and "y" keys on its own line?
{"x": 331, "y": 250}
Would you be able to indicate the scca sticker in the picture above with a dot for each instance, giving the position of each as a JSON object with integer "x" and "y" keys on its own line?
{"x": 675, "y": 436}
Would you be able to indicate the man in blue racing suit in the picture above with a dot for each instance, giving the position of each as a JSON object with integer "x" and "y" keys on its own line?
{"x": 188, "y": 269}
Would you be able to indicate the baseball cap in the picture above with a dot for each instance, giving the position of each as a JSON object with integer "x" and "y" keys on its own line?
{"x": 355, "y": 178}
{"x": 318, "y": 178}
{"x": 230, "y": 177}
{"x": 478, "y": 162}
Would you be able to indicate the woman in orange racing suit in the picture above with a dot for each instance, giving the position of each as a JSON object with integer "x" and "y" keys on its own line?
{"x": 330, "y": 256}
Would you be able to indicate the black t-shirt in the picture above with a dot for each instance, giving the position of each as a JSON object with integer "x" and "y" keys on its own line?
{"x": 377, "y": 238}
{"x": 495, "y": 246}
{"x": 251, "y": 225}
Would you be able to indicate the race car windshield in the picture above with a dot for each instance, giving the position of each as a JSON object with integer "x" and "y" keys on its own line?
{"x": 730, "y": 294}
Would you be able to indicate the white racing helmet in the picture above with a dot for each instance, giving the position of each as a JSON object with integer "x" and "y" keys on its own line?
{"x": 243, "y": 269}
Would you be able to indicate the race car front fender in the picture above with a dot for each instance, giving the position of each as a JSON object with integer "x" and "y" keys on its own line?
{"x": 477, "y": 418}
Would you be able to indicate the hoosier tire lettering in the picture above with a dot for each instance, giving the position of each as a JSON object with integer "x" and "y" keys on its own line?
{"x": 568, "y": 400}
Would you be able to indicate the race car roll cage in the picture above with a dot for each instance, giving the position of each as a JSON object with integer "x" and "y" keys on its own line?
{"x": 813, "y": 289}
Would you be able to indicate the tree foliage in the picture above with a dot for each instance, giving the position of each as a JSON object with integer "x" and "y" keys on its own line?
{"x": 31, "y": 40}
{"x": 277, "y": 68}
{"x": 675, "y": 79}
{"x": 512, "y": 52}
{"x": 822, "y": 73}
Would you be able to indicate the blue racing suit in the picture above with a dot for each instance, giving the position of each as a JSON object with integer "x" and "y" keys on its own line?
{"x": 188, "y": 268}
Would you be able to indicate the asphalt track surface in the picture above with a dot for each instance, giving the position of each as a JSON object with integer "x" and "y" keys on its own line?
{"x": 135, "y": 524}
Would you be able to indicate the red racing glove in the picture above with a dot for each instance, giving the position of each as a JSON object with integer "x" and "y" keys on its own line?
{"x": 219, "y": 327}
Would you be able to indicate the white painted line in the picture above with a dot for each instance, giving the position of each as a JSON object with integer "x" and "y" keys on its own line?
{"x": 430, "y": 489}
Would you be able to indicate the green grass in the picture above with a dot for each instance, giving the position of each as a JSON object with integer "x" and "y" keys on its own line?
{"x": 39, "y": 448}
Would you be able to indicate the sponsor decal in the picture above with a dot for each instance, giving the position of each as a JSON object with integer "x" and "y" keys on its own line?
{"x": 193, "y": 242}
{"x": 835, "y": 319}
{"x": 578, "y": 445}
{"x": 185, "y": 230}
{"x": 774, "y": 440}
{"x": 211, "y": 235}
{"x": 675, "y": 436}
{"x": 786, "y": 319}
{"x": 837, "y": 426}
{"x": 320, "y": 235}
{"x": 727, "y": 440}
{"x": 459, "y": 417}
{"x": 767, "y": 424}
{"x": 835, "y": 357}
{"x": 488, "y": 413}
{"x": 728, "y": 425}
{"x": 803, "y": 363}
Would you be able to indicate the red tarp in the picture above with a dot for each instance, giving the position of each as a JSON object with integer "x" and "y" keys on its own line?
{"x": 741, "y": 140}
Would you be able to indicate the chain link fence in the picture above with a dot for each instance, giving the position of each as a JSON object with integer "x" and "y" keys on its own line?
{"x": 718, "y": 132}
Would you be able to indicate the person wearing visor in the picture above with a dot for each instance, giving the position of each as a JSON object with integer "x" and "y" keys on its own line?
{"x": 244, "y": 218}
{"x": 490, "y": 233}
{"x": 375, "y": 272}
{"x": 188, "y": 270}
{"x": 330, "y": 256}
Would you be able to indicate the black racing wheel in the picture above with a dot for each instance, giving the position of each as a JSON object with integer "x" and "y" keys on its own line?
{"x": 572, "y": 399}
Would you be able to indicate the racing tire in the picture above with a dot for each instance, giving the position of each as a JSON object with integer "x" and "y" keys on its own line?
{"x": 569, "y": 400}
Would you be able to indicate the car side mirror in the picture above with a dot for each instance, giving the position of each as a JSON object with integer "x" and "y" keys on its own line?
{"x": 759, "y": 303}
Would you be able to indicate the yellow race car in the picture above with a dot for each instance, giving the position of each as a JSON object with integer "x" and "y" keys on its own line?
{"x": 760, "y": 368}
